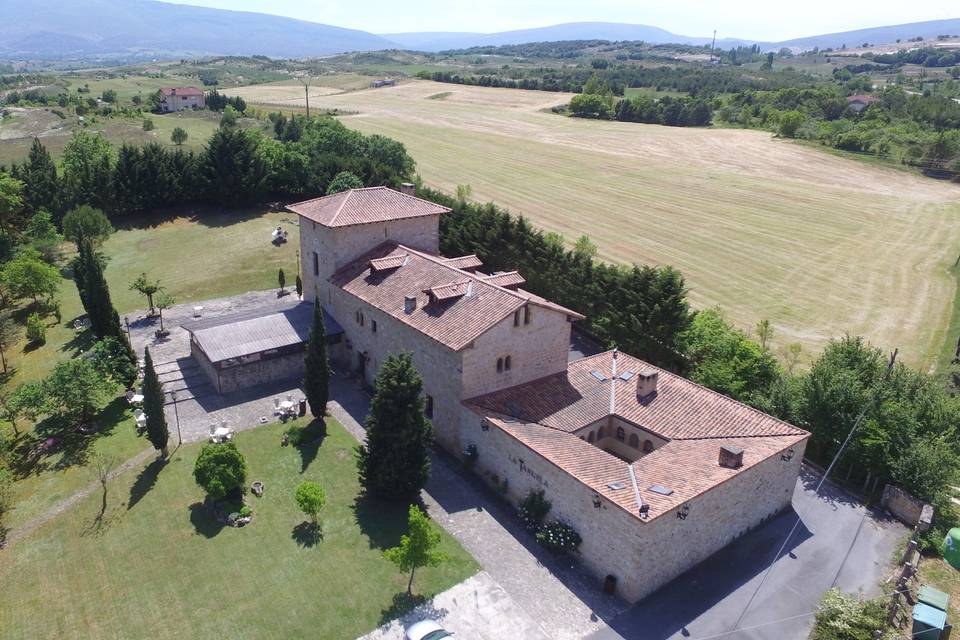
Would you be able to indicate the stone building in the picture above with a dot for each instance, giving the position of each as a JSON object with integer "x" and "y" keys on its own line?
{"x": 655, "y": 472}
{"x": 256, "y": 347}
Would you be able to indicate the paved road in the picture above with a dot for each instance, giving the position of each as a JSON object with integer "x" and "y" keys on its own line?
{"x": 838, "y": 542}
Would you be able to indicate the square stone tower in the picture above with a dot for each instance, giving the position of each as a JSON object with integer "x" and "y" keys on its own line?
{"x": 336, "y": 229}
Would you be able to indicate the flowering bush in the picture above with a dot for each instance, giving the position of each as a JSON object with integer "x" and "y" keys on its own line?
{"x": 559, "y": 536}
{"x": 533, "y": 509}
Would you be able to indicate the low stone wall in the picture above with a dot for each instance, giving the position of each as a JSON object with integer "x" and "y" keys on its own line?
{"x": 248, "y": 374}
{"x": 903, "y": 506}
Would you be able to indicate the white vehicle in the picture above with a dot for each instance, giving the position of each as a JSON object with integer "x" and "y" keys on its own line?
{"x": 426, "y": 630}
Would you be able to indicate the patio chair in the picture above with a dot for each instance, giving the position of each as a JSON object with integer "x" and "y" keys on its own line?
{"x": 276, "y": 405}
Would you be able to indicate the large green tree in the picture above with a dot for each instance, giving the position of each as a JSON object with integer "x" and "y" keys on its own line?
{"x": 77, "y": 390}
{"x": 88, "y": 161}
{"x": 153, "y": 401}
{"x": 235, "y": 169}
{"x": 11, "y": 201}
{"x": 418, "y": 547}
{"x": 86, "y": 222}
{"x": 395, "y": 461}
{"x": 28, "y": 276}
{"x": 344, "y": 181}
{"x": 316, "y": 374}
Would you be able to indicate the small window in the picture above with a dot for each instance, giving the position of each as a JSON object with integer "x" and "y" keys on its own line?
{"x": 590, "y": 437}
{"x": 373, "y": 326}
{"x": 526, "y": 315}
{"x": 647, "y": 446}
{"x": 428, "y": 406}
{"x": 601, "y": 433}
{"x": 634, "y": 441}
{"x": 506, "y": 364}
{"x": 316, "y": 263}
{"x": 621, "y": 434}
{"x": 499, "y": 365}
{"x": 362, "y": 319}
{"x": 516, "y": 318}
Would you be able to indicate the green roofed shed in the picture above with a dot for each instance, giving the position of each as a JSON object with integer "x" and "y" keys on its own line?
{"x": 951, "y": 548}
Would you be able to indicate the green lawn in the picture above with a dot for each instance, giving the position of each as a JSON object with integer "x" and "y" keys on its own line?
{"x": 940, "y": 575}
{"x": 161, "y": 567}
{"x": 197, "y": 254}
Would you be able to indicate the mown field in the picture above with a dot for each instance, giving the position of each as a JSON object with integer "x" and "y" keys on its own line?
{"x": 818, "y": 244}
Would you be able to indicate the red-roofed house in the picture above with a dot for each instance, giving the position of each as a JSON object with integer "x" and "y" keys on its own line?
{"x": 655, "y": 472}
{"x": 180, "y": 98}
{"x": 860, "y": 102}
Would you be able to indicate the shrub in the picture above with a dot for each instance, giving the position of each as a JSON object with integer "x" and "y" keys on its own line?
{"x": 559, "y": 536}
{"x": 245, "y": 511}
{"x": 533, "y": 510}
{"x": 36, "y": 329}
{"x": 148, "y": 124}
{"x": 311, "y": 498}
{"x": 844, "y": 616}
{"x": 220, "y": 469}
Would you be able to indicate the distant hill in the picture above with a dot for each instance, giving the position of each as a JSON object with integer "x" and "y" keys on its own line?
{"x": 86, "y": 27}
{"x": 877, "y": 35}
{"x": 439, "y": 41}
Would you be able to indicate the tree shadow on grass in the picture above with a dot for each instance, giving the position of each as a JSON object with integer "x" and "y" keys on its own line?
{"x": 204, "y": 520}
{"x": 382, "y": 522}
{"x": 403, "y": 603}
{"x": 145, "y": 481}
{"x": 311, "y": 438}
{"x": 307, "y": 534}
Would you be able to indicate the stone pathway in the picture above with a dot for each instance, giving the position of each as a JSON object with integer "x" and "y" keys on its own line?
{"x": 32, "y": 525}
{"x": 564, "y": 601}
{"x": 478, "y": 608}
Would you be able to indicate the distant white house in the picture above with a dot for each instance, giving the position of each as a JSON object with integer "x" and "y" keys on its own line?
{"x": 860, "y": 102}
{"x": 180, "y": 98}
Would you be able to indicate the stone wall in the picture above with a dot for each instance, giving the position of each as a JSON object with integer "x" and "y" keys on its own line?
{"x": 205, "y": 365}
{"x": 536, "y": 350}
{"x": 439, "y": 366}
{"x": 336, "y": 247}
{"x": 903, "y": 506}
{"x": 248, "y": 374}
{"x": 642, "y": 555}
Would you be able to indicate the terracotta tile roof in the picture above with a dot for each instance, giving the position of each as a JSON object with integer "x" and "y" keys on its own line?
{"x": 687, "y": 468}
{"x": 464, "y": 262}
{"x": 506, "y": 279}
{"x": 465, "y": 307}
{"x": 365, "y": 206}
{"x": 390, "y": 262}
{"x": 182, "y": 91}
{"x": 680, "y": 409}
{"x": 545, "y": 414}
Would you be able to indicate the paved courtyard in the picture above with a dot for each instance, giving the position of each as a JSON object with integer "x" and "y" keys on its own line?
{"x": 191, "y": 401}
{"x": 838, "y": 543}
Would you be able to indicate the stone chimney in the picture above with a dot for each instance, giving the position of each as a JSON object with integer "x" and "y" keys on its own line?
{"x": 731, "y": 457}
{"x": 646, "y": 383}
{"x": 409, "y": 304}
{"x": 408, "y": 188}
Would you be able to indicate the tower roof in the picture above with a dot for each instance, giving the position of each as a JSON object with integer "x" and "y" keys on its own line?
{"x": 365, "y": 206}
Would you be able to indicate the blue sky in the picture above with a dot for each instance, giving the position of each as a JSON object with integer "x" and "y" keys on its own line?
{"x": 753, "y": 19}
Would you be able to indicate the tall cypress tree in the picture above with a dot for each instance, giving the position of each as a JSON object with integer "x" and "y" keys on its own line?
{"x": 395, "y": 462}
{"x": 41, "y": 189}
{"x": 316, "y": 375}
{"x": 96, "y": 294}
{"x": 157, "y": 431}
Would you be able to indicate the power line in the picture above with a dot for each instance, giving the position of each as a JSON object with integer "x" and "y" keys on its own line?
{"x": 823, "y": 479}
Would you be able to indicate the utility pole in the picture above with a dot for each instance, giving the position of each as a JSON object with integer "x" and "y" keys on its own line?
{"x": 713, "y": 45}
{"x": 305, "y": 81}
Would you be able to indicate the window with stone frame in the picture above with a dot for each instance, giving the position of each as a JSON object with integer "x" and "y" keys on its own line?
{"x": 526, "y": 314}
{"x": 634, "y": 441}
{"x": 516, "y": 318}
{"x": 621, "y": 434}
{"x": 506, "y": 363}
{"x": 499, "y": 365}
{"x": 316, "y": 263}
{"x": 428, "y": 406}
{"x": 647, "y": 446}
{"x": 373, "y": 326}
